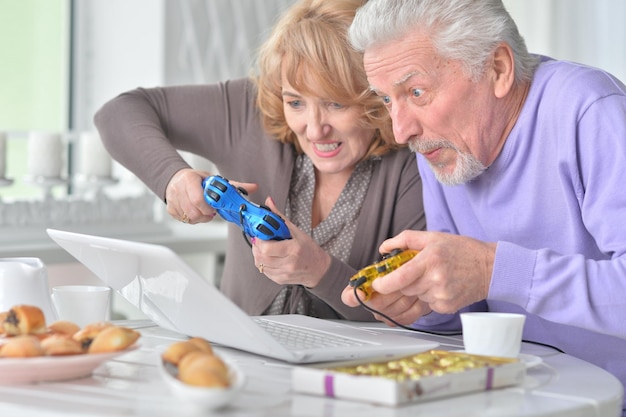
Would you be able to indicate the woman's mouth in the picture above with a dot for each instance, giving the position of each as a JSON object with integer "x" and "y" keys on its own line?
{"x": 326, "y": 147}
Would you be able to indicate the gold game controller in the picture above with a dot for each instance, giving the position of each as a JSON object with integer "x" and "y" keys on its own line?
{"x": 390, "y": 261}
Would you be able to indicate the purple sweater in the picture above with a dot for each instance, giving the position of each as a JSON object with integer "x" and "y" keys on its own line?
{"x": 555, "y": 202}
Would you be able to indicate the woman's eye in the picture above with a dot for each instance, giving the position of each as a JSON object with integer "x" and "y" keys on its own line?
{"x": 294, "y": 104}
{"x": 336, "y": 105}
{"x": 416, "y": 92}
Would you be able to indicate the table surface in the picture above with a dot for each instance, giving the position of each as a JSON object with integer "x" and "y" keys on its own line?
{"x": 131, "y": 385}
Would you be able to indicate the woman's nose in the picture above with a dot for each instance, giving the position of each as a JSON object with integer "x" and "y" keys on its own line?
{"x": 317, "y": 127}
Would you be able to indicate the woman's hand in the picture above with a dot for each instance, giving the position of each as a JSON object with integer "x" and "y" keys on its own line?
{"x": 299, "y": 260}
{"x": 185, "y": 197}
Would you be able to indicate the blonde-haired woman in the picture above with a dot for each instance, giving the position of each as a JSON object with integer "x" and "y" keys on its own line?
{"x": 306, "y": 137}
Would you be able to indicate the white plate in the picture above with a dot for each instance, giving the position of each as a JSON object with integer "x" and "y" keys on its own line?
{"x": 205, "y": 398}
{"x": 52, "y": 368}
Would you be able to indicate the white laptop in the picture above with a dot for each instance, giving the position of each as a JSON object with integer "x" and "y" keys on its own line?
{"x": 159, "y": 283}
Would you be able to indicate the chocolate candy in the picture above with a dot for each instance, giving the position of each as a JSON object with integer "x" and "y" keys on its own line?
{"x": 431, "y": 363}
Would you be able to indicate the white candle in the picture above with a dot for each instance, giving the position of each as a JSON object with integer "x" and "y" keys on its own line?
{"x": 3, "y": 155}
{"x": 45, "y": 155}
{"x": 93, "y": 158}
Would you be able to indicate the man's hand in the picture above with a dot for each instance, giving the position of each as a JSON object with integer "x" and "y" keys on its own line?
{"x": 449, "y": 273}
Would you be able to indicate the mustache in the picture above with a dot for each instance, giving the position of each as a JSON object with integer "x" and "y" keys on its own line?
{"x": 429, "y": 145}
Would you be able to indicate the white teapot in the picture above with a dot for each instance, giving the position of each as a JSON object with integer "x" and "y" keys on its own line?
{"x": 25, "y": 281}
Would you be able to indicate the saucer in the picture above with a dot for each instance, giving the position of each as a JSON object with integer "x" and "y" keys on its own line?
{"x": 530, "y": 360}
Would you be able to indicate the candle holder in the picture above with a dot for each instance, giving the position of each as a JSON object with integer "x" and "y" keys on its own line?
{"x": 45, "y": 183}
{"x": 5, "y": 182}
{"x": 93, "y": 182}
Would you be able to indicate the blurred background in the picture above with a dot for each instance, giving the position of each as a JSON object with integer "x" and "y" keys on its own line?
{"x": 62, "y": 59}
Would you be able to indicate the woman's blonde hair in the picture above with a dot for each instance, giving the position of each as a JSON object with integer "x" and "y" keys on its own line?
{"x": 311, "y": 41}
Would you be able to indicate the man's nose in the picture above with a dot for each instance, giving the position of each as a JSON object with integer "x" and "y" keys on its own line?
{"x": 405, "y": 123}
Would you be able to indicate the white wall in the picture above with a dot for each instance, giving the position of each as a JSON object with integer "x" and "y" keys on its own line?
{"x": 591, "y": 32}
{"x": 118, "y": 46}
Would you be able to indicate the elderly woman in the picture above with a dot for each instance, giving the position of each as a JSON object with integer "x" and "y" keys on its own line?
{"x": 306, "y": 137}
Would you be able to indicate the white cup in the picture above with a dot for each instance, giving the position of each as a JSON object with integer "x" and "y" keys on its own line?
{"x": 493, "y": 334}
{"x": 82, "y": 304}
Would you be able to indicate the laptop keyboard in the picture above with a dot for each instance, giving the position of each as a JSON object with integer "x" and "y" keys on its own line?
{"x": 302, "y": 338}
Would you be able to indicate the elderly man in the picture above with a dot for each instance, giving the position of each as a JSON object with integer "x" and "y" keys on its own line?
{"x": 523, "y": 161}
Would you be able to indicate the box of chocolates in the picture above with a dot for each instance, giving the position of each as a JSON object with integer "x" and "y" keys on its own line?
{"x": 409, "y": 379}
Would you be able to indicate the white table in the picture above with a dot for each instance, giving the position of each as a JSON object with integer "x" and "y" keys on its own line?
{"x": 131, "y": 386}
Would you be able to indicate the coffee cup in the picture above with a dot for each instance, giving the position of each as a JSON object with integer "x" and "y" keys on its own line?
{"x": 493, "y": 333}
{"x": 82, "y": 304}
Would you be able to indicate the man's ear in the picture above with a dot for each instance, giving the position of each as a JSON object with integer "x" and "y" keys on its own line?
{"x": 503, "y": 70}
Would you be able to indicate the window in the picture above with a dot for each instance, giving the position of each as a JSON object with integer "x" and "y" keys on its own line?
{"x": 34, "y": 80}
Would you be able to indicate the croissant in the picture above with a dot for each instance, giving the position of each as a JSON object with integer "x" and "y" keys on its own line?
{"x": 86, "y": 335}
{"x": 3, "y": 316}
{"x": 61, "y": 344}
{"x": 201, "y": 344}
{"x": 63, "y": 327}
{"x": 176, "y": 351}
{"x": 24, "y": 319}
{"x": 113, "y": 339}
{"x": 22, "y": 346}
{"x": 203, "y": 369}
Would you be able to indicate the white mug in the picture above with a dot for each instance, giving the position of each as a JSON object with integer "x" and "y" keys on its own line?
{"x": 82, "y": 304}
{"x": 492, "y": 333}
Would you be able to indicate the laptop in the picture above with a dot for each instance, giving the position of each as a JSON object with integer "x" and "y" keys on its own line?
{"x": 159, "y": 283}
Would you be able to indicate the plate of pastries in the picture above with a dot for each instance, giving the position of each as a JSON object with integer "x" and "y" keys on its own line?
{"x": 33, "y": 351}
{"x": 198, "y": 376}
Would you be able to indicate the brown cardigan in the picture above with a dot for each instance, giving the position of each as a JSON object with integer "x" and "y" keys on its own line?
{"x": 143, "y": 128}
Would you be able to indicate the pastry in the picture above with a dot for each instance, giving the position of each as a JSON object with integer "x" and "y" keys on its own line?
{"x": 61, "y": 344}
{"x": 202, "y": 344}
{"x": 63, "y": 327}
{"x": 24, "y": 319}
{"x": 22, "y": 346}
{"x": 203, "y": 369}
{"x": 200, "y": 377}
{"x": 113, "y": 339}
{"x": 176, "y": 351}
{"x": 3, "y": 316}
{"x": 86, "y": 335}
{"x": 205, "y": 360}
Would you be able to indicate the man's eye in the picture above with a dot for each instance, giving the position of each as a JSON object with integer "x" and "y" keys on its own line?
{"x": 416, "y": 92}
{"x": 386, "y": 99}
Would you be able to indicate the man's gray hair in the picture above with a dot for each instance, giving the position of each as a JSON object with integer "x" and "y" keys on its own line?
{"x": 464, "y": 30}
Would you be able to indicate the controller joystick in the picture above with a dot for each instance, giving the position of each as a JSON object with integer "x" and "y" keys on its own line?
{"x": 230, "y": 202}
{"x": 389, "y": 262}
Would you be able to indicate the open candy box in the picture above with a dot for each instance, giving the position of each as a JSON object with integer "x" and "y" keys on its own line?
{"x": 409, "y": 379}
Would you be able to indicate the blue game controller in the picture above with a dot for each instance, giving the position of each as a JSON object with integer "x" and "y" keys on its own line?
{"x": 256, "y": 221}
